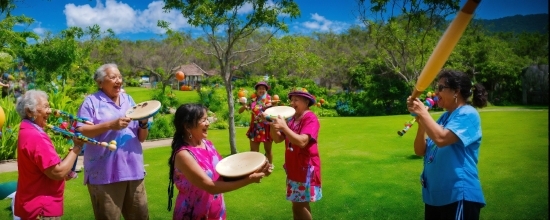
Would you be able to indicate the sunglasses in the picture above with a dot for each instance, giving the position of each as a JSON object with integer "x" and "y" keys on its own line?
{"x": 441, "y": 87}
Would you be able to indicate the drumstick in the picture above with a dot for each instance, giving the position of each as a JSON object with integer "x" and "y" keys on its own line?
{"x": 111, "y": 146}
{"x": 59, "y": 113}
{"x": 444, "y": 47}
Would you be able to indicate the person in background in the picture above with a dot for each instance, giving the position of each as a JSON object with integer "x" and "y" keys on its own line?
{"x": 258, "y": 132}
{"x": 451, "y": 188}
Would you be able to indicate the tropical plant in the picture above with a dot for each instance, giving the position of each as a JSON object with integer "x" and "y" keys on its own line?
{"x": 229, "y": 34}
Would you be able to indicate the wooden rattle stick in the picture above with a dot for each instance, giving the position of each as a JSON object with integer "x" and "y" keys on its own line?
{"x": 111, "y": 146}
{"x": 59, "y": 113}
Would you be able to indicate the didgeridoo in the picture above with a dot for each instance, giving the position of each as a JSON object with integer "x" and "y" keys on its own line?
{"x": 444, "y": 47}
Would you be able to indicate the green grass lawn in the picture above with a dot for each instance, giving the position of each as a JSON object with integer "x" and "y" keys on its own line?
{"x": 140, "y": 94}
{"x": 369, "y": 172}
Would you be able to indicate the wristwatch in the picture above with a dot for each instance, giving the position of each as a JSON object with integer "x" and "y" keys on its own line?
{"x": 143, "y": 125}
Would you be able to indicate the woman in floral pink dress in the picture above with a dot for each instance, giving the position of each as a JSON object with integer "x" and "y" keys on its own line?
{"x": 192, "y": 168}
{"x": 258, "y": 132}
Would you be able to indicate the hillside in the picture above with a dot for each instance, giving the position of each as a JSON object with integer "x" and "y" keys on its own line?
{"x": 517, "y": 23}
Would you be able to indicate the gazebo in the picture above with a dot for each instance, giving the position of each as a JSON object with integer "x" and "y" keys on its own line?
{"x": 193, "y": 75}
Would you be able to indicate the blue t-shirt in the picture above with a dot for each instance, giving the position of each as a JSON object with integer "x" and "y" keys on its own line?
{"x": 450, "y": 173}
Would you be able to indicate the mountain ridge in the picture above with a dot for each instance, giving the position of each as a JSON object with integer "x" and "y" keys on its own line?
{"x": 532, "y": 23}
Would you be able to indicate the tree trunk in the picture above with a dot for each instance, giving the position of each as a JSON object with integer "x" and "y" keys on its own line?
{"x": 231, "y": 119}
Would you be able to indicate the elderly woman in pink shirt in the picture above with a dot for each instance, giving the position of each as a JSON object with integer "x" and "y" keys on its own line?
{"x": 302, "y": 161}
{"x": 115, "y": 179}
{"x": 42, "y": 173}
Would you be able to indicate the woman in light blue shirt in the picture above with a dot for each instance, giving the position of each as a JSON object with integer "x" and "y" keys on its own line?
{"x": 451, "y": 188}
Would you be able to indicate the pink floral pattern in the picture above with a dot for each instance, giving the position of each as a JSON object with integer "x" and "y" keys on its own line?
{"x": 193, "y": 202}
{"x": 259, "y": 128}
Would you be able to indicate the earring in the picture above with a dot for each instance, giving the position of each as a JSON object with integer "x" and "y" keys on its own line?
{"x": 33, "y": 118}
{"x": 455, "y": 99}
{"x": 190, "y": 136}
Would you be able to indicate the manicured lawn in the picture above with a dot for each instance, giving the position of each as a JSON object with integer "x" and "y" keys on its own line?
{"x": 140, "y": 94}
{"x": 369, "y": 172}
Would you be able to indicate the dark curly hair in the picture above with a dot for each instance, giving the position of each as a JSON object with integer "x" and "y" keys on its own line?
{"x": 187, "y": 116}
{"x": 457, "y": 80}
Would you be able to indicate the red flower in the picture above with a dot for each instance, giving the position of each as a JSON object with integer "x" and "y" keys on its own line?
{"x": 301, "y": 188}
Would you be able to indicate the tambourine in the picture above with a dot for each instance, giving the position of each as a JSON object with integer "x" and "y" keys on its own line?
{"x": 284, "y": 111}
{"x": 239, "y": 166}
{"x": 144, "y": 110}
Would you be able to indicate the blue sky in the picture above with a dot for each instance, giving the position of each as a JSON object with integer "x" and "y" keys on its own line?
{"x": 137, "y": 19}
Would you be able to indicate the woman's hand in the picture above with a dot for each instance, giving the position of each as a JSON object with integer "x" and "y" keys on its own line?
{"x": 415, "y": 106}
{"x": 121, "y": 123}
{"x": 264, "y": 171}
{"x": 278, "y": 123}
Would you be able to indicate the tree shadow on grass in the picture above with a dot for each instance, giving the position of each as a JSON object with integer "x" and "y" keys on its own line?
{"x": 413, "y": 157}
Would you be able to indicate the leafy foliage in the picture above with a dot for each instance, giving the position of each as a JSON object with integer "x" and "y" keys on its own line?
{"x": 10, "y": 129}
{"x": 231, "y": 36}
{"x": 161, "y": 127}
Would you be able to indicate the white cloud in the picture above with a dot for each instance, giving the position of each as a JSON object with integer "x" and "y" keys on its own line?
{"x": 39, "y": 30}
{"x": 321, "y": 24}
{"x": 122, "y": 18}
{"x": 245, "y": 9}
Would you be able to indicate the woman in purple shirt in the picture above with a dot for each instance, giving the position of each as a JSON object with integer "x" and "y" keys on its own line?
{"x": 114, "y": 178}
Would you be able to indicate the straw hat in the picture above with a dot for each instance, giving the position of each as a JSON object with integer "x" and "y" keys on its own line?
{"x": 304, "y": 93}
{"x": 261, "y": 84}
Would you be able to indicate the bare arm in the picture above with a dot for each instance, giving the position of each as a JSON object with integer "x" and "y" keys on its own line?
{"x": 242, "y": 108}
{"x": 143, "y": 132}
{"x": 440, "y": 136}
{"x": 420, "y": 141}
{"x": 276, "y": 135}
{"x": 60, "y": 170}
{"x": 279, "y": 124}
{"x": 185, "y": 162}
{"x": 300, "y": 140}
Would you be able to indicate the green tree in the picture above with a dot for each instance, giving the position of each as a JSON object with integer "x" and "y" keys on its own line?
{"x": 6, "y": 62}
{"x": 225, "y": 27}
{"x": 13, "y": 42}
{"x": 292, "y": 56}
{"x": 53, "y": 56}
{"x": 406, "y": 40}
{"x": 162, "y": 58}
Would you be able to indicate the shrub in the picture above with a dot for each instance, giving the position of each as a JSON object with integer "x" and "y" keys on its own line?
{"x": 166, "y": 98}
{"x": 132, "y": 82}
{"x": 10, "y": 129}
{"x": 215, "y": 99}
{"x": 219, "y": 124}
{"x": 161, "y": 127}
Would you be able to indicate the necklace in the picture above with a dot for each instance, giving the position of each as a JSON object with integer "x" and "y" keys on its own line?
{"x": 432, "y": 151}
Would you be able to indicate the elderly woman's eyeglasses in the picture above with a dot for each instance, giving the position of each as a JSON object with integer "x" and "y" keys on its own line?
{"x": 441, "y": 87}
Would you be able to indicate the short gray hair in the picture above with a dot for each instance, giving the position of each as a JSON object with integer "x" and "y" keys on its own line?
{"x": 29, "y": 100}
{"x": 100, "y": 73}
